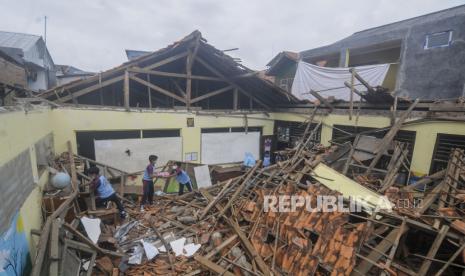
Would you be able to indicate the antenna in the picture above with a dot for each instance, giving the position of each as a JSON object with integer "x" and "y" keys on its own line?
{"x": 45, "y": 30}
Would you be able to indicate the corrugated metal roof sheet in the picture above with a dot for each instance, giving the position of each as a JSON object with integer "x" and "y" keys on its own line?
{"x": 17, "y": 40}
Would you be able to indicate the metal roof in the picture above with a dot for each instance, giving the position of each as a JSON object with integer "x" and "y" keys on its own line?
{"x": 68, "y": 70}
{"x": 18, "y": 40}
{"x": 133, "y": 54}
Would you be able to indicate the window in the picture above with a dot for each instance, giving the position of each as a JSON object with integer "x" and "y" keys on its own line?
{"x": 286, "y": 84}
{"x": 441, "y": 39}
{"x": 283, "y": 134}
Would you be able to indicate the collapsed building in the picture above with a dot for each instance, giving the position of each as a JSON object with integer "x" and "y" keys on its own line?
{"x": 191, "y": 102}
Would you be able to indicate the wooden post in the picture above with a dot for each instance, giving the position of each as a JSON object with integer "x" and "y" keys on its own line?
{"x": 235, "y": 99}
{"x": 346, "y": 61}
{"x": 361, "y": 80}
{"x": 100, "y": 90}
{"x": 54, "y": 253}
{"x": 191, "y": 54}
{"x": 149, "y": 93}
{"x": 380, "y": 250}
{"x": 189, "y": 62}
{"x": 446, "y": 265}
{"x": 45, "y": 234}
{"x": 126, "y": 90}
{"x": 395, "y": 245}
{"x": 352, "y": 81}
{"x": 390, "y": 136}
{"x": 321, "y": 99}
{"x": 123, "y": 183}
{"x": 433, "y": 250}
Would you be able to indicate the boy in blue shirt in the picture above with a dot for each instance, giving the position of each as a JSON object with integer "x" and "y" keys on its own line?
{"x": 147, "y": 182}
{"x": 182, "y": 177}
{"x": 104, "y": 191}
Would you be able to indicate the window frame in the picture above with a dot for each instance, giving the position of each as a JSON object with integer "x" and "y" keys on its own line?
{"x": 428, "y": 36}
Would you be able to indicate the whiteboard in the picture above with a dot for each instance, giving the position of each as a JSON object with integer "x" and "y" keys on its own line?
{"x": 202, "y": 176}
{"x": 113, "y": 152}
{"x": 227, "y": 147}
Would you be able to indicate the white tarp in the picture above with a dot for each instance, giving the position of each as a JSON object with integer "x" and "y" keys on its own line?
{"x": 311, "y": 77}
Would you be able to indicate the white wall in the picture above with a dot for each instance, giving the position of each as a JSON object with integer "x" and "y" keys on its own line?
{"x": 40, "y": 83}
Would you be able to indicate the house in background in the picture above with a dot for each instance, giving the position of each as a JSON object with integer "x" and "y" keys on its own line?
{"x": 426, "y": 55}
{"x": 12, "y": 77}
{"x": 31, "y": 51}
{"x": 67, "y": 73}
{"x": 283, "y": 67}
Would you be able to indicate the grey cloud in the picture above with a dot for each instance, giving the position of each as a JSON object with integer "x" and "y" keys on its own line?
{"x": 92, "y": 35}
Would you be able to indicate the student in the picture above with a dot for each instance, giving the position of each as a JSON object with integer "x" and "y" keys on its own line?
{"x": 104, "y": 191}
{"x": 182, "y": 177}
{"x": 147, "y": 182}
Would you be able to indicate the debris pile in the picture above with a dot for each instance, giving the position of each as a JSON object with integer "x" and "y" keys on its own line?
{"x": 231, "y": 228}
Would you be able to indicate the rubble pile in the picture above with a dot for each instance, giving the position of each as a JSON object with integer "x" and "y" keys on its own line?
{"x": 229, "y": 228}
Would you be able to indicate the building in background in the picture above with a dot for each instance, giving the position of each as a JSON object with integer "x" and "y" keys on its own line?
{"x": 30, "y": 51}
{"x": 425, "y": 54}
{"x": 67, "y": 73}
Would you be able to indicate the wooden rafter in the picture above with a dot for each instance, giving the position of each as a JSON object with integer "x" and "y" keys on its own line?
{"x": 211, "y": 94}
{"x": 114, "y": 71}
{"x": 174, "y": 75}
{"x": 216, "y": 72}
{"x": 246, "y": 75}
{"x": 192, "y": 53}
{"x": 178, "y": 88}
{"x": 101, "y": 83}
{"x": 165, "y": 61}
{"x": 126, "y": 89}
{"x": 235, "y": 99}
{"x": 90, "y": 89}
{"x": 158, "y": 89}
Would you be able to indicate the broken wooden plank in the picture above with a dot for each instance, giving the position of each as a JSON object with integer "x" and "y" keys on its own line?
{"x": 381, "y": 249}
{"x": 322, "y": 100}
{"x": 433, "y": 250}
{"x": 212, "y": 266}
{"x": 449, "y": 262}
{"x": 387, "y": 139}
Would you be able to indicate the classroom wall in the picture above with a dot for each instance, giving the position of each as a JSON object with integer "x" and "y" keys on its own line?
{"x": 19, "y": 131}
{"x": 67, "y": 121}
{"x": 426, "y": 133}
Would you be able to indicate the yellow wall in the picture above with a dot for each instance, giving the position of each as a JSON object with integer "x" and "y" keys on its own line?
{"x": 426, "y": 133}
{"x": 67, "y": 121}
{"x": 19, "y": 131}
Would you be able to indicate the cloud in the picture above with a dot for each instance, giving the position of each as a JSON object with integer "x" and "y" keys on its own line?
{"x": 92, "y": 35}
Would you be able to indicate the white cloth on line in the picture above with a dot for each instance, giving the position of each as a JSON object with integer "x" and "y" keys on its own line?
{"x": 311, "y": 77}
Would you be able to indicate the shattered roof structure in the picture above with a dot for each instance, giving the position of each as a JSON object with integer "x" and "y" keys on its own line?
{"x": 189, "y": 72}
{"x": 68, "y": 70}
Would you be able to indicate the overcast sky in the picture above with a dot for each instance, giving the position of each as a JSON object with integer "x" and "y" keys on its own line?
{"x": 92, "y": 35}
